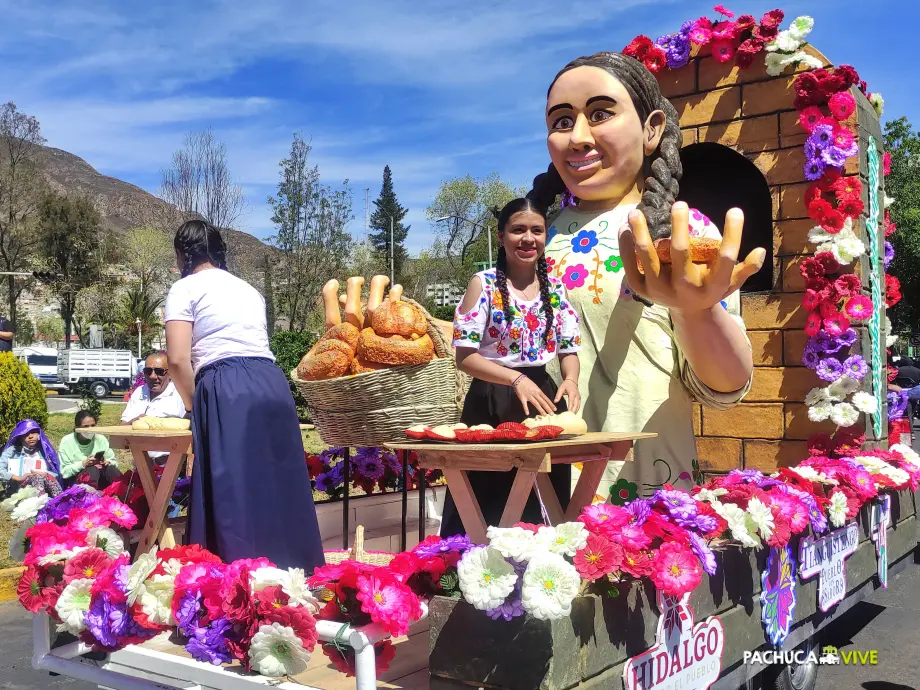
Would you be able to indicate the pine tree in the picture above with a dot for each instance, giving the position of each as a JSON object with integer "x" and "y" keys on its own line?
{"x": 387, "y": 206}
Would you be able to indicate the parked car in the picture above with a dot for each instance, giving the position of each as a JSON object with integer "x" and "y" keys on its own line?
{"x": 42, "y": 362}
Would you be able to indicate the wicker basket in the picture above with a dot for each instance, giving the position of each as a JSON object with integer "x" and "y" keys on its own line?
{"x": 378, "y": 406}
{"x": 357, "y": 553}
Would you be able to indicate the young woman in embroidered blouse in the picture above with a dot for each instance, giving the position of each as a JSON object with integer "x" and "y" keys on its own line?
{"x": 512, "y": 322}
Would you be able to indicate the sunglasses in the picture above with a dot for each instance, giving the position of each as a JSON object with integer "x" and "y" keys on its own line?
{"x": 159, "y": 371}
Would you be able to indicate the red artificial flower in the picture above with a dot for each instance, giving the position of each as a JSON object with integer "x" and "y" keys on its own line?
{"x": 721, "y": 525}
{"x": 818, "y": 208}
{"x": 812, "y": 299}
{"x": 314, "y": 465}
{"x": 831, "y": 175}
{"x": 638, "y": 47}
{"x": 782, "y": 531}
{"x": 297, "y": 619}
{"x": 88, "y": 564}
{"x": 831, "y": 265}
{"x": 193, "y": 553}
{"x": 237, "y": 600}
{"x": 819, "y": 443}
{"x": 811, "y": 269}
{"x": 721, "y": 10}
{"x": 270, "y": 598}
{"x": 598, "y": 558}
{"x": 29, "y": 590}
{"x": 830, "y": 84}
{"x": 832, "y": 221}
{"x": 723, "y": 49}
{"x": 841, "y": 105}
{"x": 851, "y": 208}
{"x": 886, "y": 163}
{"x": 848, "y": 75}
{"x": 812, "y": 324}
{"x": 848, "y": 188}
{"x": 529, "y": 526}
{"x": 816, "y": 284}
{"x": 637, "y": 563}
{"x": 655, "y": 60}
{"x": 772, "y": 19}
{"x": 848, "y": 285}
{"x": 810, "y": 117}
{"x": 747, "y": 49}
{"x": 890, "y": 229}
{"x": 746, "y": 22}
{"x": 701, "y": 33}
{"x": 892, "y": 374}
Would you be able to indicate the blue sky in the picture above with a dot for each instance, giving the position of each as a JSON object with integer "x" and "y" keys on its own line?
{"x": 434, "y": 89}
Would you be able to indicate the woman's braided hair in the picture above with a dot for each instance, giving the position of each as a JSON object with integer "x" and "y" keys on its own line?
{"x": 501, "y": 266}
{"x": 662, "y": 169}
{"x": 200, "y": 242}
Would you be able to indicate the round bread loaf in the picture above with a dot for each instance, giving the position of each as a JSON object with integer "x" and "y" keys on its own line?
{"x": 328, "y": 360}
{"x": 344, "y": 332}
{"x": 398, "y": 318}
{"x": 359, "y": 365}
{"x": 394, "y": 351}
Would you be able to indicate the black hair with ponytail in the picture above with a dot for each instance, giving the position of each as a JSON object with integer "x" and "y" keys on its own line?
{"x": 200, "y": 242}
{"x": 501, "y": 266}
{"x": 662, "y": 169}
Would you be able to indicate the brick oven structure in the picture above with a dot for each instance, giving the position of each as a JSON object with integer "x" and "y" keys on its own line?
{"x": 743, "y": 147}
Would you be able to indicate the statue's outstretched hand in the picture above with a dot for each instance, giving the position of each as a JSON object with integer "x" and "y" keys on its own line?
{"x": 682, "y": 284}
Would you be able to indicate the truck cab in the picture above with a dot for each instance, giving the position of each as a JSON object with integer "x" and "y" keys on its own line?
{"x": 42, "y": 362}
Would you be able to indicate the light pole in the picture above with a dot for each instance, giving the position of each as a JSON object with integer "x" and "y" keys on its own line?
{"x": 137, "y": 322}
{"x": 482, "y": 227}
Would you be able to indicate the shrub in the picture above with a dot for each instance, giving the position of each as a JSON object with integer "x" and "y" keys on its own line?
{"x": 91, "y": 405}
{"x": 21, "y": 395}
{"x": 288, "y": 348}
{"x": 445, "y": 313}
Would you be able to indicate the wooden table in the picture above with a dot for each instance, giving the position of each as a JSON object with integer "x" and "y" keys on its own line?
{"x": 533, "y": 461}
{"x": 139, "y": 441}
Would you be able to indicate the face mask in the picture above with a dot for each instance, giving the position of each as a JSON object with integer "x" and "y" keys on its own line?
{"x": 84, "y": 438}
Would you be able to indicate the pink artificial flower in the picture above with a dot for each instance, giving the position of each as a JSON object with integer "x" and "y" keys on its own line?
{"x": 632, "y": 538}
{"x": 388, "y": 602}
{"x": 701, "y": 33}
{"x": 810, "y": 117}
{"x": 604, "y": 518}
{"x": 88, "y": 519}
{"x": 88, "y": 564}
{"x": 233, "y": 569}
{"x": 675, "y": 570}
{"x": 721, "y": 10}
{"x": 112, "y": 510}
{"x": 836, "y": 324}
{"x": 30, "y": 591}
{"x": 886, "y": 163}
{"x": 843, "y": 136}
{"x": 812, "y": 324}
{"x": 812, "y": 299}
{"x": 858, "y": 308}
{"x": 793, "y": 510}
{"x": 108, "y": 581}
{"x": 599, "y": 558}
{"x": 723, "y": 49}
{"x": 841, "y": 105}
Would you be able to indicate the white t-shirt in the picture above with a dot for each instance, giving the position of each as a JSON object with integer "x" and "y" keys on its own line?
{"x": 166, "y": 404}
{"x": 228, "y": 316}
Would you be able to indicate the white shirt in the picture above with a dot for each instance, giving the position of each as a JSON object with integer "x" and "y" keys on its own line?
{"x": 21, "y": 463}
{"x": 227, "y": 316}
{"x": 166, "y": 404}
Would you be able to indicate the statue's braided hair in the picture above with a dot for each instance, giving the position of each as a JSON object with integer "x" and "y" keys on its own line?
{"x": 662, "y": 169}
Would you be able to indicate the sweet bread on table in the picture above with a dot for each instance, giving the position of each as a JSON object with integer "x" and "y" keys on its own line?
{"x": 569, "y": 421}
{"x": 161, "y": 423}
{"x": 395, "y": 350}
{"x": 328, "y": 360}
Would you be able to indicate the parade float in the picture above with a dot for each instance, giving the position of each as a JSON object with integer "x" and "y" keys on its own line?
{"x": 799, "y": 509}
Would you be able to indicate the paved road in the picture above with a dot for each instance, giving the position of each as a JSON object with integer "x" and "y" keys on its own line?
{"x": 71, "y": 403}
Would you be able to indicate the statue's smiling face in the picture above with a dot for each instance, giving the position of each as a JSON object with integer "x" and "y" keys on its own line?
{"x": 596, "y": 139}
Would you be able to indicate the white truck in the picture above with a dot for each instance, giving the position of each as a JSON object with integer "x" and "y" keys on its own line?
{"x": 42, "y": 362}
{"x": 98, "y": 371}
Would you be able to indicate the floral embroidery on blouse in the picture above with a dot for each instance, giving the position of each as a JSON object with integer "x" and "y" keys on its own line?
{"x": 517, "y": 342}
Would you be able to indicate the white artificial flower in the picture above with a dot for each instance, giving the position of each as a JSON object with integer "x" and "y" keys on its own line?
{"x": 890, "y": 340}
{"x": 786, "y": 42}
{"x": 709, "y": 495}
{"x": 761, "y": 516}
{"x": 28, "y": 508}
{"x": 295, "y": 586}
{"x": 515, "y": 543}
{"x": 801, "y": 27}
{"x": 60, "y": 556}
{"x": 260, "y": 578}
{"x": 872, "y": 464}
{"x": 844, "y": 414}
{"x": 156, "y": 599}
{"x": 18, "y": 543}
{"x": 550, "y": 585}
{"x": 816, "y": 395}
{"x": 841, "y": 388}
{"x": 889, "y": 200}
{"x": 566, "y": 539}
{"x": 736, "y": 519}
{"x": 865, "y": 402}
{"x": 812, "y": 475}
{"x": 140, "y": 570}
{"x": 107, "y": 540}
{"x": 878, "y": 103}
{"x": 895, "y": 474}
{"x": 486, "y": 578}
{"x": 276, "y": 652}
{"x": 21, "y": 495}
{"x": 907, "y": 453}
{"x": 73, "y": 604}
{"x": 809, "y": 61}
{"x": 775, "y": 63}
{"x": 837, "y": 510}
{"x": 821, "y": 411}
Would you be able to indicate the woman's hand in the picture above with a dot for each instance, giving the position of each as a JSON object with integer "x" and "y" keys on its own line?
{"x": 682, "y": 284}
{"x": 529, "y": 393}
{"x": 570, "y": 390}
{"x": 89, "y": 461}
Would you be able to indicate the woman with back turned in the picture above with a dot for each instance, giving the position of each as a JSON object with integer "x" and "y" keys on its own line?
{"x": 251, "y": 493}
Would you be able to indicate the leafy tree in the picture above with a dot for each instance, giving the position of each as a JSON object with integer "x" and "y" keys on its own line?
{"x": 49, "y": 329}
{"x": 312, "y": 235}
{"x": 147, "y": 254}
{"x": 268, "y": 291}
{"x": 70, "y": 232}
{"x": 25, "y": 330}
{"x": 289, "y": 347}
{"x": 21, "y": 188}
{"x": 21, "y": 395}
{"x": 387, "y": 207}
{"x": 140, "y": 303}
{"x": 903, "y": 184}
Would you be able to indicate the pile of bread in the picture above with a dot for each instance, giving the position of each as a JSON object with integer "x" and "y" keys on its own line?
{"x": 382, "y": 334}
{"x": 540, "y": 428}
{"x": 161, "y": 424}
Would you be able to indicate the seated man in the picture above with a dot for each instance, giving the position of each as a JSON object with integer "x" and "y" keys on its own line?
{"x": 158, "y": 397}
{"x": 88, "y": 457}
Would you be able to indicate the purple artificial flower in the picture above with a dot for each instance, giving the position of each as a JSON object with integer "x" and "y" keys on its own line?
{"x": 815, "y": 516}
{"x": 187, "y": 612}
{"x": 58, "y": 508}
{"x": 109, "y": 622}
{"x": 327, "y": 482}
{"x": 749, "y": 476}
{"x": 823, "y": 342}
{"x": 897, "y": 404}
{"x": 458, "y": 543}
{"x": 855, "y": 367}
{"x": 392, "y": 462}
{"x": 687, "y": 27}
{"x": 811, "y": 150}
{"x": 680, "y": 504}
{"x": 678, "y": 51}
{"x": 889, "y": 254}
{"x": 848, "y": 337}
{"x": 511, "y": 608}
{"x": 811, "y": 356}
{"x": 568, "y": 199}
{"x": 814, "y": 169}
{"x": 834, "y": 157}
{"x": 209, "y": 643}
{"x": 829, "y": 369}
{"x": 639, "y": 508}
{"x": 822, "y": 136}
{"x": 369, "y": 464}
{"x": 703, "y": 523}
{"x": 703, "y": 552}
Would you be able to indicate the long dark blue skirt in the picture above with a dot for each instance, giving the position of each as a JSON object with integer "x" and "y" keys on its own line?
{"x": 251, "y": 493}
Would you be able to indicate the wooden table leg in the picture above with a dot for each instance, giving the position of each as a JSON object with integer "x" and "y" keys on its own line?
{"x": 550, "y": 499}
{"x": 517, "y": 499}
{"x": 467, "y": 505}
{"x": 156, "y": 527}
{"x": 144, "y": 468}
{"x": 585, "y": 488}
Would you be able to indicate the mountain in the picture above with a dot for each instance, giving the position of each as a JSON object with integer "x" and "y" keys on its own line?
{"x": 124, "y": 206}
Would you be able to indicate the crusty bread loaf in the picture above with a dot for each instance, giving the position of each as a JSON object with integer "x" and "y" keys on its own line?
{"x": 703, "y": 250}
{"x": 328, "y": 360}
{"x": 394, "y": 351}
{"x": 398, "y": 318}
